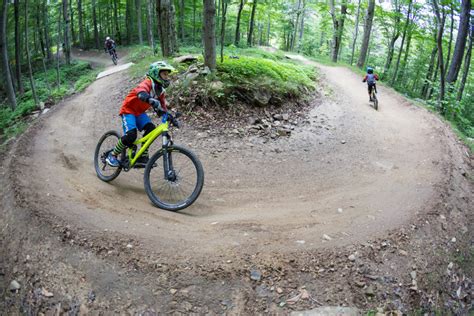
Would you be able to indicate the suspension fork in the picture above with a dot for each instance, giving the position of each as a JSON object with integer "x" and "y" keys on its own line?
{"x": 168, "y": 169}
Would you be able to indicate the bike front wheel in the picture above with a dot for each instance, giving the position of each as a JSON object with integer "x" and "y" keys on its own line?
{"x": 106, "y": 144}
{"x": 177, "y": 186}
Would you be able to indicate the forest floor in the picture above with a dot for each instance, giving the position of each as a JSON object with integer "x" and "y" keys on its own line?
{"x": 360, "y": 208}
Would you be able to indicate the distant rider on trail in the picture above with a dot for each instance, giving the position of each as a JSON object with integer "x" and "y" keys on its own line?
{"x": 371, "y": 78}
{"x": 109, "y": 46}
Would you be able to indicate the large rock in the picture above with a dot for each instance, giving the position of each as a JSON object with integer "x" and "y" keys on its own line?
{"x": 185, "y": 58}
{"x": 261, "y": 97}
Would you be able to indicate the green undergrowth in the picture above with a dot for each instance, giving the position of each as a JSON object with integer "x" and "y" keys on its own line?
{"x": 252, "y": 76}
{"x": 73, "y": 78}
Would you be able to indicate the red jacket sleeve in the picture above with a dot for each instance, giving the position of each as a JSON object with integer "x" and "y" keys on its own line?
{"x": 365, "y": 79}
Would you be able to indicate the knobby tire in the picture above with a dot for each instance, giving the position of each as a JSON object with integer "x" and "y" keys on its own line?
{"x": 99, "y": 151}
{"x": 150, "y": 182}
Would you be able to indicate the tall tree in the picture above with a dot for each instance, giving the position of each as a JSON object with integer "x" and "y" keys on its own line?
{"x": 47, "y": 36}
{"x": 460, "y": 42}
{"x": 394, "y": 34}
{"x": 165, "y": 13}
{"x": 81, "y": 24}
{"x": 181, "y": 20}
{"x": 237, "y": 26}
{"x": 223, "y": 20}
{"x": 96, "y": 29}
{"x": 4, "y": 52}
{"x": 440, "y": 20}
{"x": 356, "y": 32}
{"x": 252, "y": 23}
{"x": 451, "y": 29}
{"x": 467, "y": 64}
{"x": 139, "y": 21}
{"x": 18, "y": 48}
{"x": 407, "y": 23}
{"x": 301, "y": 27}
{"x": 296, "y": 24}
{"x": 149, "y": 21}
{"x": 338, "y": 25}
{"x": 28, "y": 59}
{"x": 67, "y": 30}
{"x": 116, "y": 22}
{"x": 209, "y": 34}
{"x": 369, "y": 17}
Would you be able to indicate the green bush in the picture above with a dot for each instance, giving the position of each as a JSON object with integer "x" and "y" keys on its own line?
{"x": 253, "y": 72}
{"x": 73, "y": 78}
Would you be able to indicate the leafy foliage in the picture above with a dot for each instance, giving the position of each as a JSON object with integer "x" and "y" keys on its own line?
{"x": 74, "y": 78}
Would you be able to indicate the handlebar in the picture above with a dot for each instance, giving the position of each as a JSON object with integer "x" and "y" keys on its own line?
{"x": 167, "y": 116}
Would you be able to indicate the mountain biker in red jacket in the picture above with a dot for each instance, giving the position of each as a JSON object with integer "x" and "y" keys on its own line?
{"x": 150, "y": 92}
{"x": 371, "y": 78}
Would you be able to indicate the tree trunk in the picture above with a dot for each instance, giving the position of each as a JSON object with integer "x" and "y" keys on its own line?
{"x": 223, "y": 20}
{"x": 117, "y": 29}
{"x": 448, "y": 56}
{"x": 439, "y": 41}
{"x": 166, "y": 27}
{"x": 296, "y": 23}
{"x": 58, "y": 46}
{"x": 405, "y": 57}
{"x": 367, "y": 29}
{"x": 8, "y": 83}
{"x": 237, "y": 27}
{"x": 460, "y": 42}
{"x": 181, "y": 20}
{"x": 139, "y": 21}
{"x": 252, "y": 23}
{"x": 268, "y": 31}
{"x": 391, "y": 49}
{"x": 194, "y": 21}
{"x": 300, "y": 36}
{"x": 429, "y": 74}
{"x": 356, "y": 32}
{"x": 81, "y": 24}
{"x": 209, "y": 34}
{"x": 28, "y": 59}
{"x": 67, "y": 42}
{"x": 46, "y": 30}
{"x": 149, "y": 21}
{"x": 410, "y": 4}
{"x": 467, "y": 64}
{"x": 73, "y": 31}
{"x": 18, "y": 48}
{"x": 94, "y": 21}
{"x": 40, "y": 29}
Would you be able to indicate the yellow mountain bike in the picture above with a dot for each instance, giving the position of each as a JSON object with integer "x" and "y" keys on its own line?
{"x": 174, "y": 176}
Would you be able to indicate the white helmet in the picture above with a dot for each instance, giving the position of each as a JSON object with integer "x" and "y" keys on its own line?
{"x": 107, "y": 38}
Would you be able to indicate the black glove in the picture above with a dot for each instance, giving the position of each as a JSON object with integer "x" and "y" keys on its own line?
{"x": 156, "y": 104}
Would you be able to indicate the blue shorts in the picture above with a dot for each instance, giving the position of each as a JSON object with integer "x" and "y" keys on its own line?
{"x": 130, "y": 121}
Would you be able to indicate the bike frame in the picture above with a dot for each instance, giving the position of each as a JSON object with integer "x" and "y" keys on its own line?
{"x": 148, "y": 140}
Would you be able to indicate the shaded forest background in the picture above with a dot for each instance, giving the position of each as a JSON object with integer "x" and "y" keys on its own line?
{"x": 422, "y": 49}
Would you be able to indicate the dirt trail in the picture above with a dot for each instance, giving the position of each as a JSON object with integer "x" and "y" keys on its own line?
{"x": 352, "y": 174}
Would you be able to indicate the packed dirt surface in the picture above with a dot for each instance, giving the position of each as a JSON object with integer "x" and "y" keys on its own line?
{"x": 337, "y": 212}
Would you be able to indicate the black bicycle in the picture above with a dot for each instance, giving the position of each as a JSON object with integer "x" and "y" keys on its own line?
{"x": 113, "y": 54}
{"x": 373, "y": 98}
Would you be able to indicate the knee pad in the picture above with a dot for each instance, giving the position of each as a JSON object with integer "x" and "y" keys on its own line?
{"x": 129, "y": 137}
{"x": 148, "y": 128}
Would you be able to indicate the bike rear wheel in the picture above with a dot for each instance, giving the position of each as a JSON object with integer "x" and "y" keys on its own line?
{"x": 106, "y": 144}
{"x": 376, "y": 102}
{"x": 183, "y": 188}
